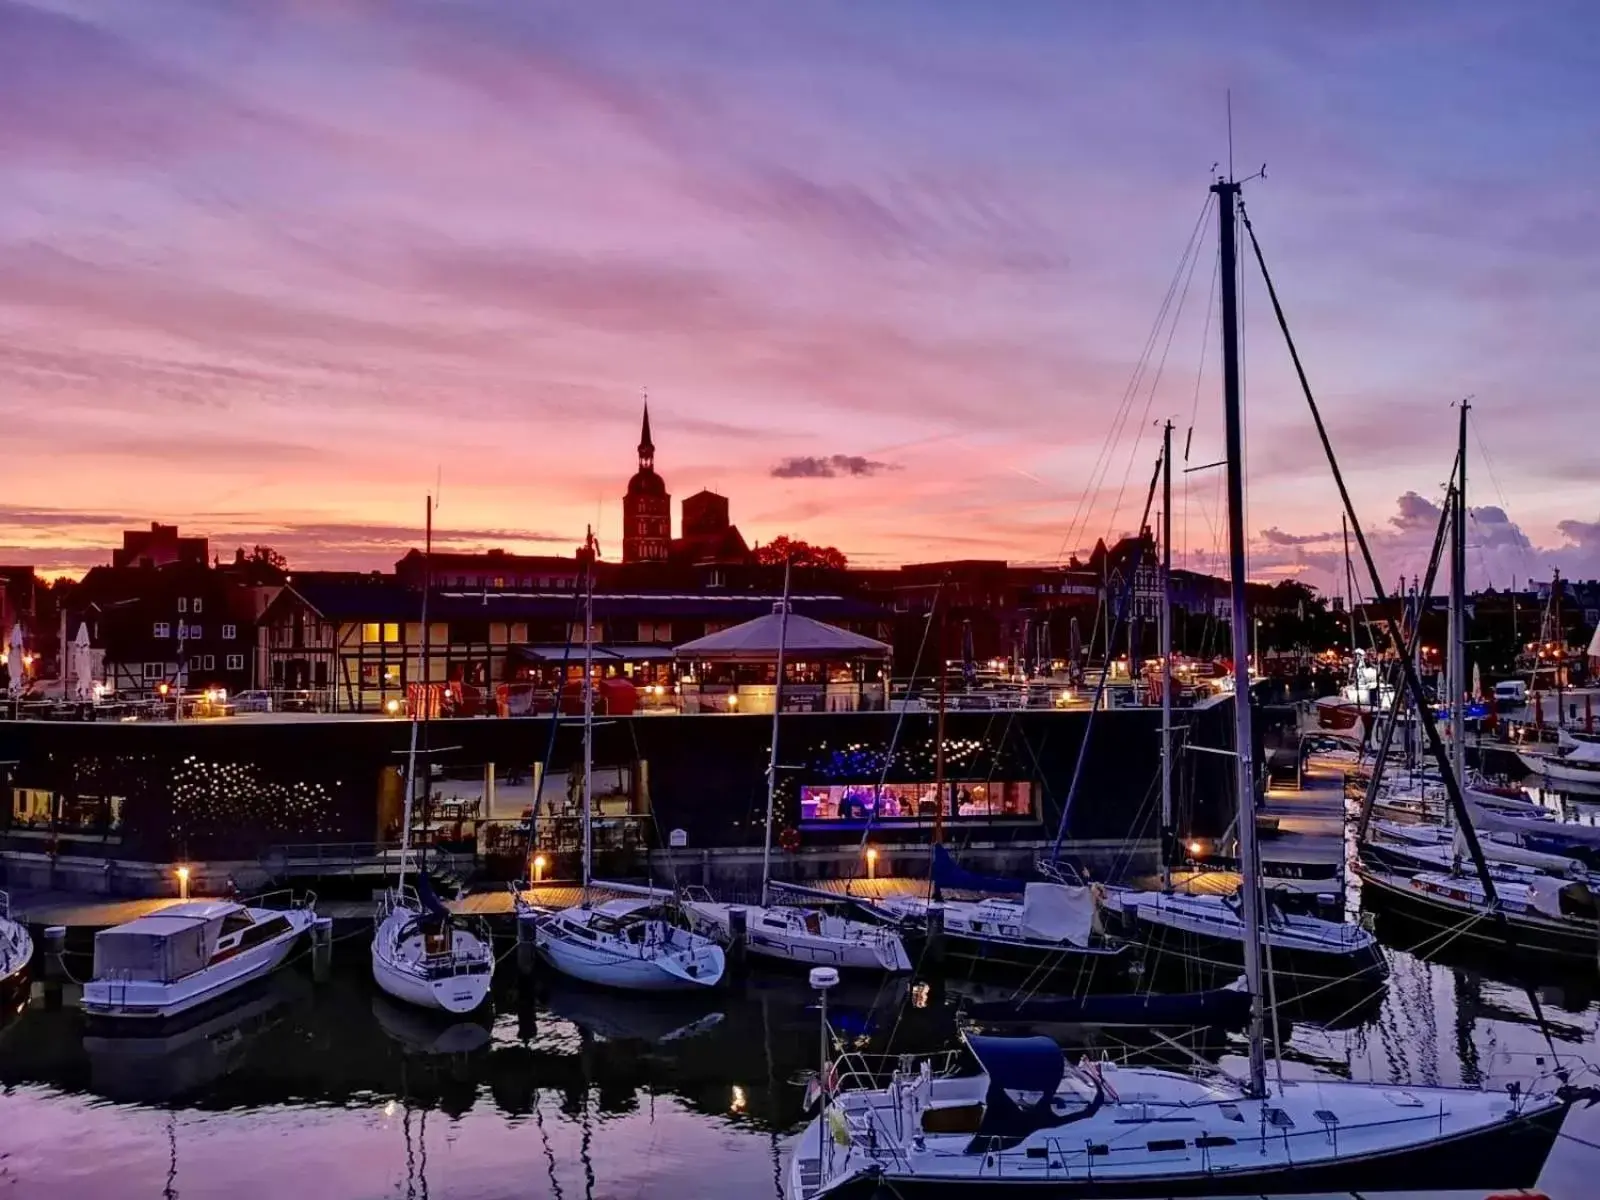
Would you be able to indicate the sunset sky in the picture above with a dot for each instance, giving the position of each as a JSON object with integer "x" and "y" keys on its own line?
{"x": 271, "y": 270}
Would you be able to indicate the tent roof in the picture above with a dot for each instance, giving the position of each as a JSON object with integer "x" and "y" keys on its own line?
{"x": 803, "y": 637}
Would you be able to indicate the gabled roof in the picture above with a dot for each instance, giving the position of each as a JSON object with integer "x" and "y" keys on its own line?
{"x": 802, "y": 637}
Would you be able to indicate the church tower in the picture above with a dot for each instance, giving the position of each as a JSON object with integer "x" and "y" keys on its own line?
{"x": 646, "y": 509}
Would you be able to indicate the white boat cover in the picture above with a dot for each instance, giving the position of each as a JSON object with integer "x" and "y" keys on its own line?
{"x": 1057, "y": 912}
{"x": 160, "y": 947}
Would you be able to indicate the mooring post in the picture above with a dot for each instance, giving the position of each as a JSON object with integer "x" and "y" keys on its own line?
{"x": 55, "y": 965}
{"x": 738, "y": 938}
{"x": 321, "y": 949}
{"x": 527, "y": 942}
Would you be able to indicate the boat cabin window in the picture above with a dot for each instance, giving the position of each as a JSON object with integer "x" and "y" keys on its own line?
{"x": 1279, "y": 1119}
{"x": 1162, "y": 1144}
{"x": 774, "y": 922}
{"x": 436, "y": 941}
{"x": 1326, "y": 1116}
{"x": 1210, "y": 1142}
{"x": 813, "y": 923}
{"x": 264, "y": 931}
{"x": 236, "y": 922}
{"x": 579, "y": 930}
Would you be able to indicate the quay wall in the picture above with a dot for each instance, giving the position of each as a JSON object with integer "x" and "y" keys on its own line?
{"x": 238, "y": 791}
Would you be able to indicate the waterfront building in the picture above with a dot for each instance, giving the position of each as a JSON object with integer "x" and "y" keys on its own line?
{"x": 646, "y": 508}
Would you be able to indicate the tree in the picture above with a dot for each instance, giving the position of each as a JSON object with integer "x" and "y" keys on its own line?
{"x": 266, "y": 556}
{"x": 802, "y": 554}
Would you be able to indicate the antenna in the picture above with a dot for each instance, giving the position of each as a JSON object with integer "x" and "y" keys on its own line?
{"x": 1229, "y": 101}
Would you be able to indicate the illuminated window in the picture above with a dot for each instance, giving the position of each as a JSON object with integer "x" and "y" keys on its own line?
{"x": 31, "y": 806}
{"x": 195, "y": 632}
{"x": 391, "y": 675}
{"x": 391, "y": 632}
{"x": 918, "y": 802}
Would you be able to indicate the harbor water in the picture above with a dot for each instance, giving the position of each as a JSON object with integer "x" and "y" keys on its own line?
{"x": 329, "y": 1091}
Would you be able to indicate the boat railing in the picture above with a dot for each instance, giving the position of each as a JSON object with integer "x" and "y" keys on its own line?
{"x": 5, "y": 905}
{"x": 283, "y": 899}
{"x": 856, "y": 1070}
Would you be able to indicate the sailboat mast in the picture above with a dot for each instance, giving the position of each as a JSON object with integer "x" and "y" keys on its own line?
{"x": 1458, "y": 611}
{"x": 1227, "y": 192}
{"x": 1350, "y": 593}
{"x": 588, "y": 704}
{"x": 938, "y": 729}
{"x": 772, "y": 761}
{"x": 1167, "y": 831}
{"x": 411, "y": 752}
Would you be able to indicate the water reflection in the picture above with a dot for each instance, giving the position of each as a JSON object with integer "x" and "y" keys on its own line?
{"x": 584, "y": 1093}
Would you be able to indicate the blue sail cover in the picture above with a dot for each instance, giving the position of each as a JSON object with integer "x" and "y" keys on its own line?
{"x": 947, "y": 873}
{"x": 1023, "y": 1076}
{"x": 430, "y": 900}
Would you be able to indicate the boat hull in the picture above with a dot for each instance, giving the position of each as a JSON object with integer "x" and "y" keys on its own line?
{"x": 1545, "y": 938}
{"x": 1508, "y": 1155}
{"x": 1295, "y": 967}
{"x": 457, "y": 994}
{"x": 886, "y": 953}
{"x": 1046, "y": 966}
{"x": 160, "y": 1005}
{"x": 633, "y": 973}
{"x": 15, "y": 969}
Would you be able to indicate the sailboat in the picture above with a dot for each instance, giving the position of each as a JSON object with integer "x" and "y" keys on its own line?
{"x": 633, "y": 943}
{"x": 800, "y": 934}
{"x": 1026, "y": 1120}
{"x": 16, "y": 951}
{"x": 1194, "y": 927}
{"x": 421, "y": 952}
{"x": 1537, "y": 886}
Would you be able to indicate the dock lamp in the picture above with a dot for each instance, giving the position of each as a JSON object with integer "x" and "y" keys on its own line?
{"x": 539, "y": 863}
{"x": 183, "y": 883}
{"x": 872, "y": 862}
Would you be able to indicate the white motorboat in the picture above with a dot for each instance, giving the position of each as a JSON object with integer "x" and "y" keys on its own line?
{"x": 421, "y": 952}
{"x": 173, "y": 961}
{"x": 808, "y": 935}
{"x": 425, "y": 955}
{"x": 1028, "y": 1122}
{"x": 16, "y": 952}
{"x": 633, "y": 944}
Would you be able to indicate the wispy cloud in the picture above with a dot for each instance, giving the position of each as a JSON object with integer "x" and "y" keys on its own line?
{"x": 811, "y": 467}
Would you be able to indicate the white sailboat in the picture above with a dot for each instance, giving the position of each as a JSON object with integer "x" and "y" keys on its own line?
{"x": 421, "y": 952}
{"x": 16, "y": 952}
{"x": 1027, "y": 1121}
{"x": 806, "y": 935}
{"x": 631, "y": 943}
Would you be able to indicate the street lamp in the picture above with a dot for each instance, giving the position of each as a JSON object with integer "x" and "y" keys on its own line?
{"x": 872, "y": 862}
{"x": 538, "y": 868}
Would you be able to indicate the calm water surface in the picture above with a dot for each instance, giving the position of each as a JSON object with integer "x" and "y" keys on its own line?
{"x": 326, "y": 1090}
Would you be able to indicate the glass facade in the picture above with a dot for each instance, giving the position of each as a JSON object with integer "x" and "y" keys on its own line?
{"x": 835, "y": 805}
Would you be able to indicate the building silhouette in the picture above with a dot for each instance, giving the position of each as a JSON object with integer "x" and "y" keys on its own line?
{"x": 646, "y": 508}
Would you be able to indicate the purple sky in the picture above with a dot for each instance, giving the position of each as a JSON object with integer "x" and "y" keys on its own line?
{"x": 269, "y": 270}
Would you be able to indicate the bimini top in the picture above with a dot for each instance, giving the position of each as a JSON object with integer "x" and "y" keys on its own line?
{"x": 1024, "y": 1074}
{"x": 802, "y": 637}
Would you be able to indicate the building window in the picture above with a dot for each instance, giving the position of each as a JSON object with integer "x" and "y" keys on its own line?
{"x": 374, "y": 632}
{"x": 196, "y": 607}
{"x": 499, "y": 581}
{"x": 162, "y": 629}
{"x": 194, "y": 663}
{"x": 914, "y": 803}
{"x": 154, "y": 670}
{"x": 31, "y": 807}
{"x": 229, "y": 632}
{"x": 210, "y": 663}
{"x": 391, "y": 675}
{"x": 716, "y": 579}
{"x": 235, "y": 662}
{"x": 195, "y": 633}
{"x": 183, "y": 604}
